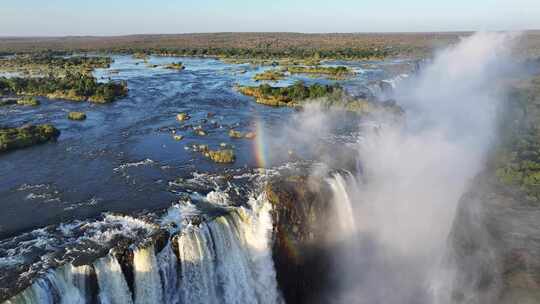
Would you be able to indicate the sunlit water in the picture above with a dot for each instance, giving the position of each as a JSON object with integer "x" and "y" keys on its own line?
{"x": 124, "y": 158}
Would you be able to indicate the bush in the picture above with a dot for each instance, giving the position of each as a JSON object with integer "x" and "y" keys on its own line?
{"x": 18, "y": 138}
{"x": 28, "y": 101}
{"x": 76, "y": 115}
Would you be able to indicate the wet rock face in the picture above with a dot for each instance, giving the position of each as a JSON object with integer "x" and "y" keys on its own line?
{"x": 301, "y": 258}
{"x": 496, "y": 246}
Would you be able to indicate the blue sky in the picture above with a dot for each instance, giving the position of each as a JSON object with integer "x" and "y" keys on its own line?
{"x": 117, "y": 17}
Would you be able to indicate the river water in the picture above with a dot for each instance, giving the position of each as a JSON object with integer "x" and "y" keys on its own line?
{"x": 63, "y": 199}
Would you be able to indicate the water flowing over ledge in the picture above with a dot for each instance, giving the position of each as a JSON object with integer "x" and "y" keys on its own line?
{"x": 223, "y": 261}
{"x": 186, "y": 258}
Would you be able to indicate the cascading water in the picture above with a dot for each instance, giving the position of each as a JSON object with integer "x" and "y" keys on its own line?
{"x": 168, "y": 270}
{"x": 224, "y": 260}
{"x": 395, "y": 219}
{"x": 148, "y": 288}
{"x": 113, "y": 288}
{"x": 64, "y": 285}
{"x": 342, "y": 203}
{"x": 197, "y": 283}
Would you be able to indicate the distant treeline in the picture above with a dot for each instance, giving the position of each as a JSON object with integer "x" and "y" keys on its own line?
{"x": 63, "y": 59}
{"x": 247, "y": 53}
{"x": 299, "y": 45}
{"x": 348, "y": 53}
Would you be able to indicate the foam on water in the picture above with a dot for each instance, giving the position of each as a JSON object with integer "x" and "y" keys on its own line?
{"x": 225, "y": 259}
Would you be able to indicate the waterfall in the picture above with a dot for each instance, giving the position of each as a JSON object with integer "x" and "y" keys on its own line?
{"x": 197, "y": 268}
{"x": 342, "y": 204}
{"x": 224, "y": 260}
{"x": 59, "y": 286}
{"x": 228, "y": 261}
{"x": 147, "y": 280}
{"x": 79, "y": 277}
{"x": 113, "y": 288}
{"x": 168, "y": 270}
{"x": 233, "y": 265}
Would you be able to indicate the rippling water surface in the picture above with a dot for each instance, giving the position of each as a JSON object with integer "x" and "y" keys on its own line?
{"x": 124, "y": 158}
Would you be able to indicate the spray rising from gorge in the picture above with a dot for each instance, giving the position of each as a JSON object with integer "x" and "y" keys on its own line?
{"x": 412, "y": 177}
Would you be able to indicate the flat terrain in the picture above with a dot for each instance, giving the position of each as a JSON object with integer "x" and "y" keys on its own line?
{"x": 405, "y": 43}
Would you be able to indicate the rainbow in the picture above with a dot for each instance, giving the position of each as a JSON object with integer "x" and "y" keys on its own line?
{"x": 260, "y": 149}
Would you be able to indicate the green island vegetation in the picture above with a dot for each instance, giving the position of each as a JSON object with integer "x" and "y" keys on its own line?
{"x": 48, "y": 63}
{"x": 238, "y": 135}
{"x": 339, "y": 72}
{"x": 328, "y": 96}
{"x": 76, "y": 116}
{"x": 270, "y": 75}
{"x": 18, "y": 138}
{"x": 76, "y": 87}
{"x": 176, "y": 66}
{"x": 517, "y": 158}
{"x": 28, "y": 101}
{"x": 222, "y": 156}
{"x": 291, "y": 95}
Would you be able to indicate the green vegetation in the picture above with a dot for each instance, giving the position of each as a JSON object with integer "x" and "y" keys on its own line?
{"x": 47, "y": 63}
{"x": 225, "y": 156}
{"x": 290, "y": 53}
{"x": 517, "y": 160}
{"x": 176, "y": 66}
{"x": 28, "y": 101}
{"x": 18, "y": 138}
{"x": 290, "y": 96}
{"x": 235, "y": 134}
{"x": 328, "y": 96}
{"x": 278, "y": 61}
{"x": 54, "y": 76}
{"x": 267, "y": 46}
{"x": 271, "y": 75}
{"x": 76, "y": 115}
{"x": 77, "y": 87}
{"x": 339, "y": 72}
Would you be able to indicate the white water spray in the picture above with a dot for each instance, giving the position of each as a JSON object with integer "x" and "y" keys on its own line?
{"x": 413, "y": 177}
{"x": 113, "y": 288}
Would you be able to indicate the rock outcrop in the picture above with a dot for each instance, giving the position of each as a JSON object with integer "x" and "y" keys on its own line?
{"x": 301, "y": 257}
{"x": 225, "y": 156}
{"x": 76, "y": 116}
{"x": 495, "y": 246}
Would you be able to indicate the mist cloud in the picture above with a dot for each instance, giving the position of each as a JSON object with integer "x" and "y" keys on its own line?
{"x": 413, "y": 175}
